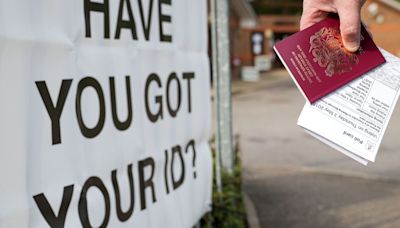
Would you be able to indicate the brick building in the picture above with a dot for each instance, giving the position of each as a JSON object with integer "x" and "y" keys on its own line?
{"x": 243, "y": 21}
{"x": 266, "y": 29}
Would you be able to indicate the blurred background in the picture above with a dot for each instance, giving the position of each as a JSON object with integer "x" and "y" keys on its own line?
{"x": 289, "y": 178}
{"x": 255, "y": 26}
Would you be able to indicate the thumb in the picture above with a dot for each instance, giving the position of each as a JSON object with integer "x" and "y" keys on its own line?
{"x": 350, "y": 24}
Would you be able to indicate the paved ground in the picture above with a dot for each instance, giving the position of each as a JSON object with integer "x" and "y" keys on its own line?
{"x": 296, "y": 181}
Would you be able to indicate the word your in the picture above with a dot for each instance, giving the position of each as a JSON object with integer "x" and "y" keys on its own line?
{"x": 146, "y": 170}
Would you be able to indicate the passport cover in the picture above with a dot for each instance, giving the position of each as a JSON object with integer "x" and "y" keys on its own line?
{"x": 318, "y": 62}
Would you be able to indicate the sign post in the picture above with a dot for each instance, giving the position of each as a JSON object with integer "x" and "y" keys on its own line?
{"x": 222, "y": 75}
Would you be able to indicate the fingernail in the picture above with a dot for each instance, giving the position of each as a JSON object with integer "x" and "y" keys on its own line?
{"x": 352, "y": 45}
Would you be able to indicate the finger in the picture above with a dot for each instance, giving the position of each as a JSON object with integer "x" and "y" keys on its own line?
{"x": 314, "y": 12}
{"x": 312, "y": 18}
{"x": 350, "y": 24}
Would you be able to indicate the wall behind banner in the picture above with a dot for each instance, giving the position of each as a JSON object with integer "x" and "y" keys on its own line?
{"x": 105, "y": 113}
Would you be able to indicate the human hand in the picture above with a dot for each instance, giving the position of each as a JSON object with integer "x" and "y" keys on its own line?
{"x": 349, "y": 13}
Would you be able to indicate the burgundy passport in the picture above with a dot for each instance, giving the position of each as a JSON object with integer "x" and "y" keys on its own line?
{"x": 318, "y": 61}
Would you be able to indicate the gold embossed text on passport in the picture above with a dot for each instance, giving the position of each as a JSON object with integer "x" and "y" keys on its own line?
{"x": 329, "y": 52}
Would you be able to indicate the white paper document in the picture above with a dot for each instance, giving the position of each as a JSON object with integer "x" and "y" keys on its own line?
{"x": 353, "y": 119}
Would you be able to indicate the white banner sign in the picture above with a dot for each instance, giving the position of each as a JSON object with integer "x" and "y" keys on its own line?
{"x": 104, "y": 113}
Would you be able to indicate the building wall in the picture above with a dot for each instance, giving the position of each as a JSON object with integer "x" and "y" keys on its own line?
{"x": 241, "y": 48}
{"x": 236, "y": 37}
{"x": 267, "y": 25}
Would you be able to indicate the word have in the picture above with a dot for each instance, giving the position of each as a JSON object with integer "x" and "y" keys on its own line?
{"x": 147, "y": 184}
{"x": 130, "y": 23}
{"x": 55, "y": 109}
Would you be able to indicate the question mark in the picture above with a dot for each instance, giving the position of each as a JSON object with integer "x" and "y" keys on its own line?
{"x": 192, "y": 144}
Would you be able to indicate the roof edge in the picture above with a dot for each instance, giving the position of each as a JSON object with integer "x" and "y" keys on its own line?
{"x": 248, "y": 17}
{"x": 392, "y": 4}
